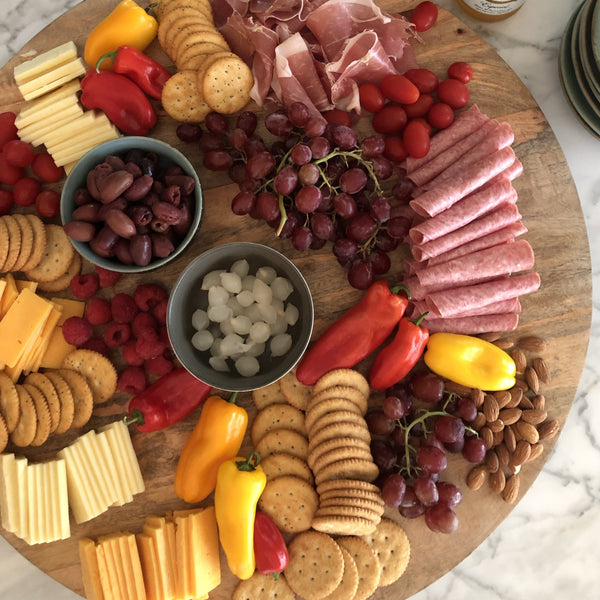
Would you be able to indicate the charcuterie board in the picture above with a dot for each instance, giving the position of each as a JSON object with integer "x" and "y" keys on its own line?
{"x": 559, "y": 312}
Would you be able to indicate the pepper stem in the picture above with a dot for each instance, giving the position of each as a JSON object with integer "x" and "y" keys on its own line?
{"x": 418, "y": 321}
{"x": 112, "y": 55}
{"x": 400, "y": 287}
{"x": 136, "y": 418}
{"x": 232, "y": 398}
{"x": 250, "y": 463}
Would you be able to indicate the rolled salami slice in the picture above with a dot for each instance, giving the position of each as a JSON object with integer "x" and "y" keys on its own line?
{"x": 463, "y": 125}
{"x": 442, "y": 197}
{"x": 504, "y": 215}
{"x": 464, "y": 211}
{"x": 512, "y": 172}
{"x": 479, "y": 266}
{"x": 475, "y": 324}
{"x": 462, "y": 300}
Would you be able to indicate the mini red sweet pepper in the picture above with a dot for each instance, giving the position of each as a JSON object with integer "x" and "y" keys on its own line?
{"x": 270, "y": 550}
{"x": 150, "y": 75}
{"x": 167, "y": 401}
{"x": 122, "y": 100}
{"x": 357, "y": 333}
{"x": 397, "y": 359}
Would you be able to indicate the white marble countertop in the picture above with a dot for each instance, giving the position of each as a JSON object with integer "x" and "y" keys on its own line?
{"x": 548, "y": 547}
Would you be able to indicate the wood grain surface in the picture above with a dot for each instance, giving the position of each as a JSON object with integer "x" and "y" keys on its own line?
{"x": 560, "y": 311}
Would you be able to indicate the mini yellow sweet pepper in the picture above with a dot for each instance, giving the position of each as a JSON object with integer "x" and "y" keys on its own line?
{"x": 470, "y": 361}
{"x": 127, "y": 25}
{"x": 240, "y": 482}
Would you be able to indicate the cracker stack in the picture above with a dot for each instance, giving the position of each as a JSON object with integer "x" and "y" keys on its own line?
{"x": 209, "y": 75}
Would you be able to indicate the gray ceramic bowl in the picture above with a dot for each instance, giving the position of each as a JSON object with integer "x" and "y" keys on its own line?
{"x": 186, "y": 296}
{"x": 77, "y": 177}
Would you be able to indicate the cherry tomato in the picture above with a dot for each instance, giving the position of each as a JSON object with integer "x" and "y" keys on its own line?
{"x": 425, "y": 124}
{"x": 453, "y": 92}
{"x": 416, "y": 139}
{"x": 461, "y": 71}
{"x": 394, "y": 148}
{"x": 371, "y": 97}
{"x": 336, "y": 116}
{"x": 9, "y": 174}
{"x": 19, "y": 153}
{"x": 420, "y": 107}
{"x": 45, "y": 168}
{"x": 6, "y": 201}
{"x": 399, "y": 88}
{"x": 424, "y": 16}
{"x": 47, "y": 203}
{"x": 425, "y": 80}
{"x": 390, "y": 119}
{"x": 440, "y": 115}
{"x": 25, "y": 191}
{"x": 8, "y": 129}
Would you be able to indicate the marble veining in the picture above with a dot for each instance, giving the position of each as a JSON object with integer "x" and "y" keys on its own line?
{"x": 548, "y": 547}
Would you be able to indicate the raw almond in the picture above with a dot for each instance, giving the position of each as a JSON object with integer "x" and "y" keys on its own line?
{"x": 532, "y": 343}
{"x": 532, "y": 380}
{"x": 490, "y": 408}
{"x": 521, "y": 454}
{"x": 504, "y": 343}
{"x": 539, "y": 402}
{"x": 510, "y": 415}
{"x": 541, "y": 368}
{"x": 490, "y": 336}
{"x": 476, "y": 477}
{"x": 497, "y": 481}
{"x": 534, "y": 416}
{"x": 516, "y": 394}
{"x": 496, "y": 426}
{"x": 487, "y": 436}
{"x": 527, "y": 431}
{"x": 457, "y": 388}
{"x": 536, "y": 450}
{"x": 503, "y": 454}
{"x": 498, "y": 437}
{"x": 525, "y": 403}
{"x": 511, "y": 489}
{"x": 479, "y": 421}
{"x": 509, "y": 438}
{"x": 522, "y": 384}
{"x": 548, "y": 429}
{"x": 477, "y": 396}
{"x": 492, "y": 462}
{"x": 520, "y": 359}
{"x": 503, "y": 398}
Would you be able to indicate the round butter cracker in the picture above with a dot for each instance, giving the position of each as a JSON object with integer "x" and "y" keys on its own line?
{"x": 98, "y": 371}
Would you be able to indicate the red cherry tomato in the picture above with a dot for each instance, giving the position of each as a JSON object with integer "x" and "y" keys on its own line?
{"x": 371, "y": 97}
{"x": 45, "y": 168}
{"x": 47, "y": 203}
{"x": 336, "y": 116}
{"x": 420, "y": 107}
{"x": 416, "y": 139}
{"x": 19, "y": 153}
{"x": 394, "y": 148}
{"x": 25, "y": 191}
{"x": 6, "y": 201}
{"x": 440, "y": 115}
{"x": 425, "y": 124}
{"x": 461, "y": 71}
{"x": 425, "y": 80}
{"x": 424, "y": 16}
{"x": 9, "y": 174}
{"x": 399, "y": 88}
{"x": 453, "y": 92}
{"x": 8, "y": 129}
{"x": 390, "y": 119}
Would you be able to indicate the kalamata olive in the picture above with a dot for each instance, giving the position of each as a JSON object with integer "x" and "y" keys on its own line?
{"x": 150, "y": 199}
{"x": 158, "y": 186}
{"x": 140, "y": 247}
{"x": 140, "y": 214}
{"x": 80, "y": 231}
{"x": 87, "y": 212}
{"x": 139, "y": 188}
{"x": 162, "y": 246}
{"x": 82, "y": 196}
{"x": 171, "y": 194}
{"x": 158, "y": 225}
{"x": 164, "y": 211}
{"x": 172, "y": 171}
{"x": 120, "y": 223}
{"x": 149, "y": 164}
{"x": 133, "y": 168}
{"x": 134, "y": 155}
{"x": 122, "y": 252}
{"x": 104, "y": 242}
{"x": 118, "y": 204}
{"x": 184, "y": 182}
{"x": 94, "y": 176}
{"x": 116, "y": 162}
{"x": 113, "y": 185}
{"x": 183, "y": 225}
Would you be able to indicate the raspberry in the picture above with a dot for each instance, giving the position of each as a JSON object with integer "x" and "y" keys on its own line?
{"x": 149, "y": 345}
{"x": 143, "y": 321}
{"x": 106, "y": 277}
{"x": 132, "y": 380}
{"x": 160, "y": 311}
{"x": 163, "y": 334}
{"x": 97, "y": 344}
{"x": 147, "y": 295}
{"x": 97, "y": 311}
{"x": 76, "y": 331}
{"x": 130, "y": 354}
{"x": 159, "y": 365}
{"x": 123, "y": 308}
{"x": 84, "y": 286}
{"x": 117, "y": 334}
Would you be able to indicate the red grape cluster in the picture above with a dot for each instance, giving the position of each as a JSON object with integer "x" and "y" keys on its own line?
{"x": 416, "y": 426}
{"x": 314, "y": 183}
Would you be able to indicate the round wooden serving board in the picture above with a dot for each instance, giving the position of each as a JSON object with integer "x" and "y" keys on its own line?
{"x": 560, "y": 311}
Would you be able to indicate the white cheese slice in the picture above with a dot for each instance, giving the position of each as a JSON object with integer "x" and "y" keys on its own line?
{"x": 64, "y": 526}
{"x": 9, "y": 493}
{"x": 52, "y": 80}
{"x": 33, "y": 533}
{"x": 82, "y": 498}
{"x": 43, "y": 106}
{"x": 35, "y": 132}
{"x": 51, "y": 59}
{"x": 118, "y": 471}
{"x": 81, "y": 125}
{"x": 62, "y": 160}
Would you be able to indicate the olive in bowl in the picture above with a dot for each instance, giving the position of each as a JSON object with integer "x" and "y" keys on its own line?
{"x": 131, "y": 204}
{"x": 240, "y": 316}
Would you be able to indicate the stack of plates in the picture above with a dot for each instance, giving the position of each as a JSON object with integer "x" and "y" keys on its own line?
{"x": 579, "y": 64}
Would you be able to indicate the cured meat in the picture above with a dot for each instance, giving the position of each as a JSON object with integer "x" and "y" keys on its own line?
{"x": 474, "y": 324}
{"x": 435, "y": 200}
{"x": 464, "y": 211}
{"x": 469, "y": 298}
{"x": 506, "y": 214}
